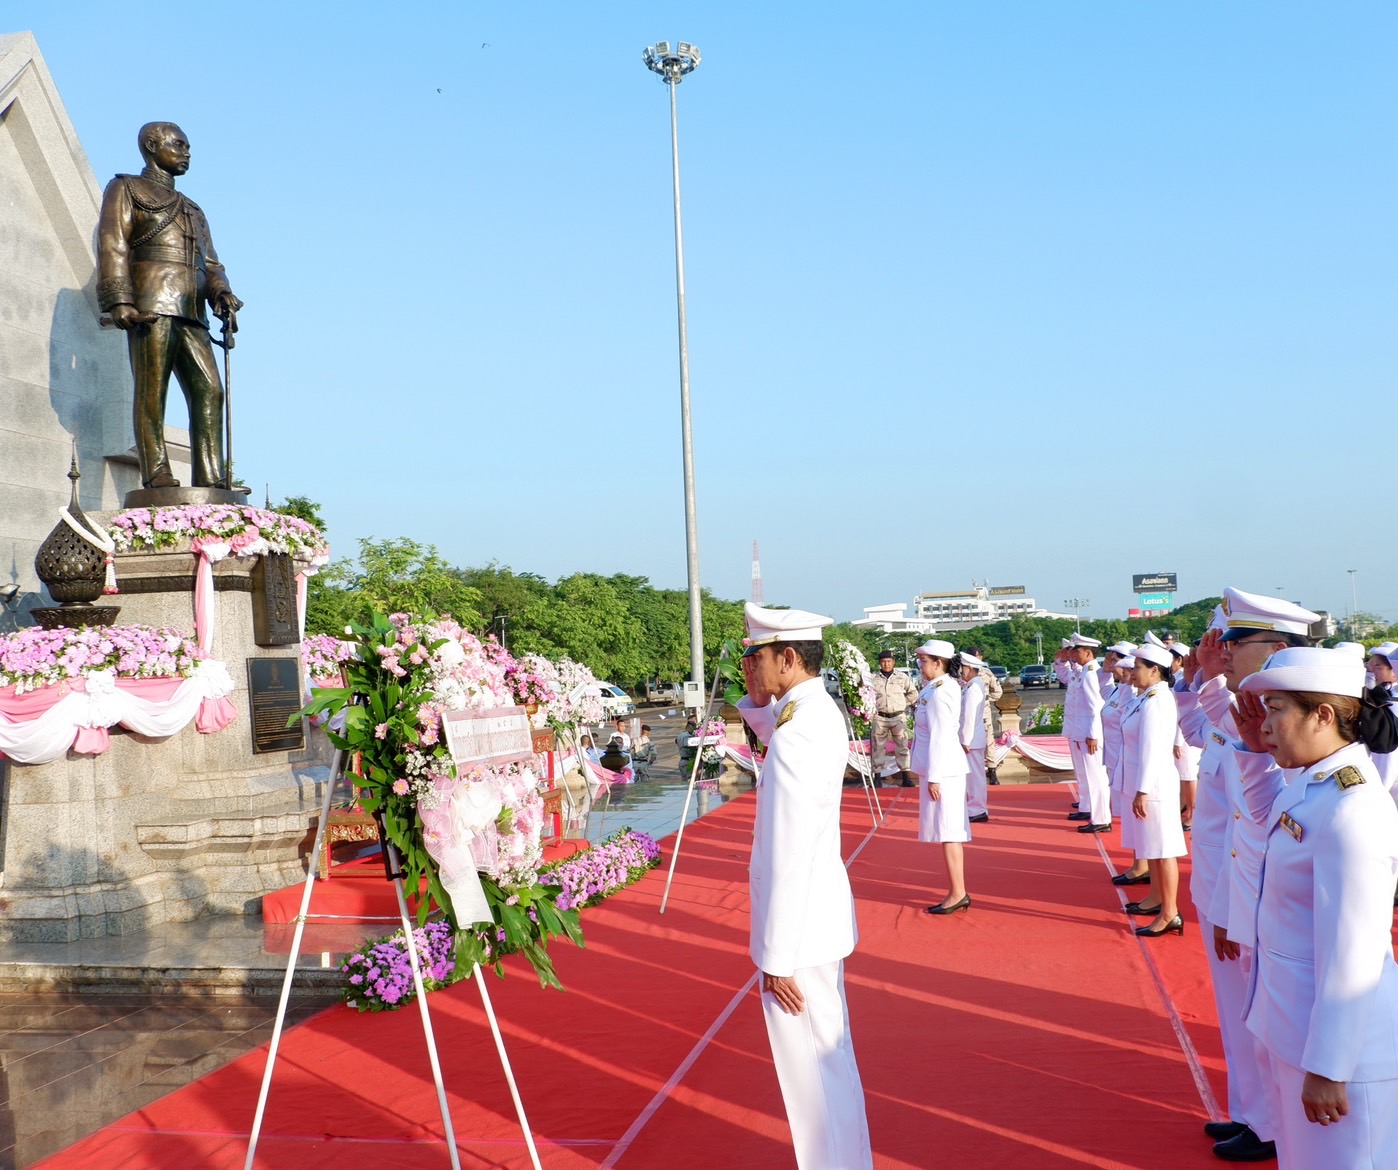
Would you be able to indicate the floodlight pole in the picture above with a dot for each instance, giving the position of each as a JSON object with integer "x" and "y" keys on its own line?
{"x": 1078, "y": 604}
{"x": 672, "y": 68}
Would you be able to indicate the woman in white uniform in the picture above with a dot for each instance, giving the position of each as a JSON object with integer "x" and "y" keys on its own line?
{"x": 1152, "y": 781}
{"x": 972, "y": 735}
{"x": 939, "y": 764}
{"x": 1116, "y": 699}
{"x": 1323, "y": 997}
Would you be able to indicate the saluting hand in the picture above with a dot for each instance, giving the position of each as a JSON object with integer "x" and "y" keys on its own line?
{"x": 1248, "y": 714}
{"x": 1209, "y": 654}
{"x": 783, "y": 989}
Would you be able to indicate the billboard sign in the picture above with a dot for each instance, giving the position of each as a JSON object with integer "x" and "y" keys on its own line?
{"x": 1006, "y": 591}
{"x": 1156, "y": 601}
{"x": 1154, "y": 582}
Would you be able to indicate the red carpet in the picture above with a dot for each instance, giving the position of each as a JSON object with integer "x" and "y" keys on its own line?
{"x": 1032, "y": 1032}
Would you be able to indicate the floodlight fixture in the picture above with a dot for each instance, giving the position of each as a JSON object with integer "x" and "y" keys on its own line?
{"x": 671, "y": 67}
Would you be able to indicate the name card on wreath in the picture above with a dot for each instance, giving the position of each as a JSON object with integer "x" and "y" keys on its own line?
{"x": 501, "y": 735}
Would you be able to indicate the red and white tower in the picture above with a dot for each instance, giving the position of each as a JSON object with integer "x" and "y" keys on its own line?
{"x": 756, "y": 576}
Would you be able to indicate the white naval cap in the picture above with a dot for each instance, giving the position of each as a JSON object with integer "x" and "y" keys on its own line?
{"x": 1250, "y": 612}
{"x": 1152, "y": 639}
{"x": 936, "y": 648}
{"x": 1067, "y": 642}
{"x": 969, "y": 659}
{"x": 1083, "y": 640}
{"x": 1156, "y": 655}
{"x": 1385, "y": 650}
{"x": 1179, "y": 649}
{"x": 1309, "y": 668}
{"x": 1122, "y": 649}
{"x": 1355, "y": 648}
{"x": 1128, "y": 661}
{"x": 766, "y": 626}
{"x": 1219, "y": 621}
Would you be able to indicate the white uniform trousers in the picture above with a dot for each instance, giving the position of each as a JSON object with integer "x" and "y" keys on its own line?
{"x": 1093, "y": 782}
{"x": 1366, "y": 1138}
{"x": 976, "y": 782}
{"x": 818, "y": 1075}
{"x": 1249, "y": 1097}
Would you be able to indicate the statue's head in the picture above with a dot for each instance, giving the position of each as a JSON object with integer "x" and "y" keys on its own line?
{"x": 164, "y": 144}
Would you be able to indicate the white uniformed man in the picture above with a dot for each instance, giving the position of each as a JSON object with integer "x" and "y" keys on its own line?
{"x": 973, "y": 736}
{"x": 802, "y": 908}
{"x": 1249, "y": 629}
{"x": 1082, "y": 725}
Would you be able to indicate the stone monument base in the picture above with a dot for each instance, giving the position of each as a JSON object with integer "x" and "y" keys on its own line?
{"x": 156, "y": 831}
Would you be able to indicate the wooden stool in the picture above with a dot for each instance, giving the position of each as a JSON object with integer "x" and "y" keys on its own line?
{"x": 345, "y": 824}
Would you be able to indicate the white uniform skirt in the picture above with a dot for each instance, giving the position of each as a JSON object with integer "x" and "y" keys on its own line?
{"x": 1161, "y": 834}
{"x": 945, "y": 819}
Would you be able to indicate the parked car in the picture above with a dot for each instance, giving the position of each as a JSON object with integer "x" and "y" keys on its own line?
{"x": 1035, "y": 675}
{"x": 664, "y": 693}
{"x": 1000, "y": 673}
{"x": 832, "y": 682}
{"x": 615, "y": 701}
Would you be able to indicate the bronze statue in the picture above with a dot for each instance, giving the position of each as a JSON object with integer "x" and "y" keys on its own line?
{"x": 157, "y": 270}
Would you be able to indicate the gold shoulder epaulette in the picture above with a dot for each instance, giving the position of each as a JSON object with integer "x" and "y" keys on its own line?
{"x": 1348, "y": 777}
{"x": 787, "y": 712}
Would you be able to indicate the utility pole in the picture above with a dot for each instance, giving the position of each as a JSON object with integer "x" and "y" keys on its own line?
{"x": 1079, "y": 604}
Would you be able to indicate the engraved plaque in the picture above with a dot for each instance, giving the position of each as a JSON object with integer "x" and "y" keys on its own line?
{"x": 274, "y": 695}
{"x": 274, "y": 618}
{"x": 500, "y": 735}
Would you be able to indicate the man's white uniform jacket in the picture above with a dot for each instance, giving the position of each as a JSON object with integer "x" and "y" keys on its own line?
{"x": 802, "y": 907}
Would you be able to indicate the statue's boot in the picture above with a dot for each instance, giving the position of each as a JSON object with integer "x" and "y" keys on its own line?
{"x": 161, "y": 478}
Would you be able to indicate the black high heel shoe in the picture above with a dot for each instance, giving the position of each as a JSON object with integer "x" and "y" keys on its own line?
{"x": 1138, "y": 911}
{"x": 964, "y": 904}
{"x": 1130, "y": 879}
{"x": 1174, "y": 926}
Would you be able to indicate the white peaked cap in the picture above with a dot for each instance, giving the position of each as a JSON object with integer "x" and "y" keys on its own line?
{"x": 1249, "y": 612}
{"x": 969, "y": 659}
{"x": 1084, "y": 640}
{"x": 1309, "y": 668}
{"x": 1127, "y": 660}
{"x": 1067, "y": 642}
{"x": 1385, "y": 649}
{"x": 1355, "y": 648}
{"x": 1179, "y": 649}
{"x": 1152, "y": 639}
{"x": 1158, "y": 655}
{"x": 1220, "y": 619}
{"x": 936, "y": 648}
{"x": 1122, "y": 648}
{"x": 766, "y": 626}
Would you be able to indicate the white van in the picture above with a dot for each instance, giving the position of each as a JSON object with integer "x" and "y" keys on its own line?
{"x": 615, "y": 701}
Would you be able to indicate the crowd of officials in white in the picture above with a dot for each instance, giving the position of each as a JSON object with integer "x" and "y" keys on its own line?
{"x": 1276, "y": 759}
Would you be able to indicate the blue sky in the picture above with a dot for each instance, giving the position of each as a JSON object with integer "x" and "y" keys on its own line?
{"x": 1037, "y": 293}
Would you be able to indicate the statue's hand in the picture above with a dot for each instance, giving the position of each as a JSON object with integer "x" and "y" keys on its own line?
{"x": 226, "y": 307}
{"x": 129, "y": 317}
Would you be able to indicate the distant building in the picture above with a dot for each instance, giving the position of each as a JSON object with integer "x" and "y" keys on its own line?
{"x": 961, "y": 609}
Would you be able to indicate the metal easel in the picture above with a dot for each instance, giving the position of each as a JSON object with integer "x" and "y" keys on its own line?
{"x": 392, "y": 867}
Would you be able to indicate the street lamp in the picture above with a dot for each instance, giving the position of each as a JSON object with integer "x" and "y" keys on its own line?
{"x": 672, "y": 68}
{"x": 1353, "y": 606}
{"x": 1079, "y": 604}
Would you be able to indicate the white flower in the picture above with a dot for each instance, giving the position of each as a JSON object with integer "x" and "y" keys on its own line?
{"x": 450, "y": 653}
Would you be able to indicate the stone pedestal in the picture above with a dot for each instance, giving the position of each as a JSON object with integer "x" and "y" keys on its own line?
{"x": 160, "y": 830}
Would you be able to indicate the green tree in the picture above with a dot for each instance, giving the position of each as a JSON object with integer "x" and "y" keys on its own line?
{"x": 586, "y": 619}
{"x": 505, "y": 599}
{"x": 400, "y": 574}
